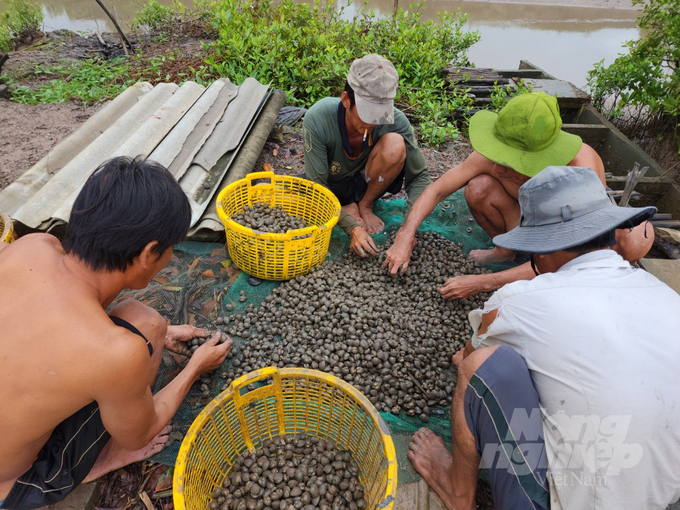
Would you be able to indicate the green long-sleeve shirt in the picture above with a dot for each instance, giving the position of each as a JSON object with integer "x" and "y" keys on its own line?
{"x": 326, "y": 160}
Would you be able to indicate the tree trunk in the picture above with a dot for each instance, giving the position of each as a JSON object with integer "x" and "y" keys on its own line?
{"x": 115, "y": 23}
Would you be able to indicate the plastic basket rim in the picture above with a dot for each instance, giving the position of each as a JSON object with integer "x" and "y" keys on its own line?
{"x": 380, "y": 424}
{"x": 228, "y": 222}
{"x": 6, "y": 228}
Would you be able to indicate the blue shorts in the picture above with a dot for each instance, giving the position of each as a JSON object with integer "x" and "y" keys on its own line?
{"x": 503, "y": 415}
{"x": 63, "y": 463}
{"x": 67, "y": 457}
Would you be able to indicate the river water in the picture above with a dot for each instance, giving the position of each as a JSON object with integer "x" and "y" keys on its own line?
{"x": 564, "y": 41}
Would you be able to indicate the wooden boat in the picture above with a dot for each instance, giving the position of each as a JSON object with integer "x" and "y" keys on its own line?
{"x": 579, "y": 117}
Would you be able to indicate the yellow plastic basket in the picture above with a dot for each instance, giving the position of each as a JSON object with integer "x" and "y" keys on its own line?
{"x": 278, "y": 256}
{"x": 6, "y": 229}
{"x": 293, "y": 400}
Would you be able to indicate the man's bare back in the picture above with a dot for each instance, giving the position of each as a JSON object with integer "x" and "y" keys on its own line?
{"x": 76, "y": 387}
{"x": 52, "y": 364}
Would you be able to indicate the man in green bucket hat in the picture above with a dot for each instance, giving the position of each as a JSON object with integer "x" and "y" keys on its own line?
{"x": 509, "y": 148}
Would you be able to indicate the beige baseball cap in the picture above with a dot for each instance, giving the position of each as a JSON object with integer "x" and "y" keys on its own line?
{"x": 374, "y": 81}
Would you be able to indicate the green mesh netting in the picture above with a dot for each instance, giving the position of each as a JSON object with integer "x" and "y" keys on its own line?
{"x": 200, "y": 280}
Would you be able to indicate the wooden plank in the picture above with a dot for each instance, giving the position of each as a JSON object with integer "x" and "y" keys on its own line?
{"x": 668, "y": 271}
{"x": 485, "y": 81}
{"x": 475, "y": 90}
{"x": 645, "y": 180}
{"x": 666, "y": 224}
{"x": 522, "y": 74}
{"x": 617, "y": 194}
{"x": 592, "y": 134}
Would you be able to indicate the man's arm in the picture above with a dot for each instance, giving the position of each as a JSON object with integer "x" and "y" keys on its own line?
{"x": 316, "y": 169}
{"x": 487, "y": 320}
{"x": 398, "y": 256}
{"x": 129, "y": 411}
{"x": 417, "y": 177}
{"x": 460, "y": 287}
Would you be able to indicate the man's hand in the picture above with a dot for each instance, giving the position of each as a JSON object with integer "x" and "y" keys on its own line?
{"x": 399, "y": 255}
{"x": 460, "y": 287}
{"x": 176, "y": 335}
{"x": 210, "y": 355}
{"x": 362, "y": 244}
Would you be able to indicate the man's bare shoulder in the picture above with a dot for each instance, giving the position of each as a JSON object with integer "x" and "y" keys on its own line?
{"x": 39, "y": 239}
{"x": 34, "y": 246}
{"x": 588, "y": 157}
{"x": 120, "y": 348}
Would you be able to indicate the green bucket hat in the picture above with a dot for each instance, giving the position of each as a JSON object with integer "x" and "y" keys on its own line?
{"x": 526, "y": 135}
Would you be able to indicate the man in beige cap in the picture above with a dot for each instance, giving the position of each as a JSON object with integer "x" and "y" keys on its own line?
{"x": 361, "y": 147}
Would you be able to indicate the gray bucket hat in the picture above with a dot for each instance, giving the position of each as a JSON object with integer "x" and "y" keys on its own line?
{"x": 563, "y": 207}
{"x": 374, "y": 81}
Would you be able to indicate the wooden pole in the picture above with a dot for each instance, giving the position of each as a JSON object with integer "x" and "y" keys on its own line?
{"x": 115, "y": 23}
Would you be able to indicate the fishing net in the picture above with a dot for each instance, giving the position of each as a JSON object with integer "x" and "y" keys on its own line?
{"x": 200, "y": 281}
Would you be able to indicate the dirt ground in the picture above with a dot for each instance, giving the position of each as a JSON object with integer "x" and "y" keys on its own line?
{"x": 283, "y": 154}
{"x": 27, "y": 133}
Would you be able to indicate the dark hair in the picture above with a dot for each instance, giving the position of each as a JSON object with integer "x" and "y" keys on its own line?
{"x": 601, "y": 242}
{"x": 124, "y": 205}
{"x": 350, "y": 93}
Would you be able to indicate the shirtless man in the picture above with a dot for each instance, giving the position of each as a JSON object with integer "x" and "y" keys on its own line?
{"x": 75, "y": 384}
{"x": 360, "y": 147}
{"x": 510, "y": 148}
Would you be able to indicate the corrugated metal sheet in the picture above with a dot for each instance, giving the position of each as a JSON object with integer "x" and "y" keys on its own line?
{"x": 240, "y": 165}
{"x": 203, "y": 176}
{"x": 188, "y": 129}
{"x": 181, "y": 145}
{"x": 37, "y": 212}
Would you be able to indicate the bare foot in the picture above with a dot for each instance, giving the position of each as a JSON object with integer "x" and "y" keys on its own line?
{"x": 114, "y": 457}
{"x": 434, "y": 462}
{"x": 373, "y": 224}
{"x": 496, "y": 254}
{"x": 353, "y": 211}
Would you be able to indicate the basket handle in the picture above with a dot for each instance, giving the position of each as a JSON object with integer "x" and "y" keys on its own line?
{"x": 255, "y": 176}
{"x": 258, "y": 375}
{"x": 241, "y": 401}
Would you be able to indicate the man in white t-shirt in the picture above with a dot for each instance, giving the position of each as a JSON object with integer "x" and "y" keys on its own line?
{"x": 568, "y": 393}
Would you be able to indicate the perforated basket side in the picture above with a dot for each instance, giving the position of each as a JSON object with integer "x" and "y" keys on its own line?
{"x": 279, "y": 256}
{"x": 295, "y": 400}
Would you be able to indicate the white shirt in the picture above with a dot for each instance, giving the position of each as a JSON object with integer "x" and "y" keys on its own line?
{"x": 602, "y": 343}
